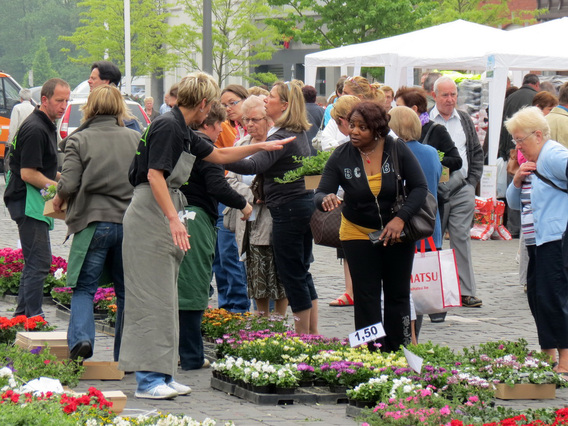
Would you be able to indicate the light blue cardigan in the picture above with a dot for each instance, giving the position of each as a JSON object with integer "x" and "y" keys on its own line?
{"x": 550, "y": 206}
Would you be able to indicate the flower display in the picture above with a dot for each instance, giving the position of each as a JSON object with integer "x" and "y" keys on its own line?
{"x": 9, "y": 327}
{"x": 12, "y": 263}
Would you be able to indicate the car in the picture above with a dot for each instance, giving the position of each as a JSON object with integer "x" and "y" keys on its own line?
{"x": 9, "y": 97}
{"x": 71, "y": 119}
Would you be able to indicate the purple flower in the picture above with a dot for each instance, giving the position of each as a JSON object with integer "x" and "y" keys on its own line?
{"x": 36, "y": 350}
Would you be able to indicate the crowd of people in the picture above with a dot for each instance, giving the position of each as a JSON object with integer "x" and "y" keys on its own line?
{"x": 201, "y": 181}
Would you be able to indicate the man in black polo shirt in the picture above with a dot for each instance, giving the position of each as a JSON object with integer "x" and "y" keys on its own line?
{"x": 33, "y": 166}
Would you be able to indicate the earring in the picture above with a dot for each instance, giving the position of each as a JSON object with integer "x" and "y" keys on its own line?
{"x": 200, "y": 110}
{"x": 376, "y": 138}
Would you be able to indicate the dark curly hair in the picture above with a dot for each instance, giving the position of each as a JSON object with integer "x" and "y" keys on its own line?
{"x": 375, "y": 117}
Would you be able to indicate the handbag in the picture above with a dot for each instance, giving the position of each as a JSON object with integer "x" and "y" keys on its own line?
{"x": 434, "y": 283}
{"x": 325, "y": 227}
{"x": 257, "y": 188}
{"x": 316, "y": 141}
{"x": 421, "y": 224}
{"x": 230, "y": 218}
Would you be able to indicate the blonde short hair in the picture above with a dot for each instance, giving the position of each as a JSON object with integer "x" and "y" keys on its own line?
{"x": 195, "y": 87}
{"x": 106, "y": 100}
{"x": 257, "y": 91}
{"x": 528, "y": 120}
{"x": 405, "y": 123}
{"x": 343, "y": 106}
{"x": 148, "y": 99}
{"x": 361, "y": 87}
{"x": 294, "y": 118}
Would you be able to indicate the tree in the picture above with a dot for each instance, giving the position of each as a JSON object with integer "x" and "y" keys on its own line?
{"x": 239, "y": 37}
{"x": 24, "y": 22}
{"x": 334, "y": 23}
{"x": 101, "y": 35}
{"x": 42, "y": 69}
{"x": 495, "y": 13}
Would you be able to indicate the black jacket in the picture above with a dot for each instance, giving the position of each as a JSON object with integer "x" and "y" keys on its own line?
{"x": 440, "y": 139}
{"x": 207, "y": 186}
{"x": 345, "y": 167}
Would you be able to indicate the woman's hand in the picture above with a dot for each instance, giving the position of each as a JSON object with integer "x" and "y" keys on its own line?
{"x": 179, "y": 234}
{"x": 57, "y": 203}
{"x": 275, "y": 145}
{"x": 330, "y": 202}
{"x": 524, "y": 170}
{"x": 392, "y": 231}
{"x": 246, "y": 211}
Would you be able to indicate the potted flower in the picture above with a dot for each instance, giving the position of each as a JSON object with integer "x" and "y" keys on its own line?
{"x": 312, "y": 167}
{"x": 368, "y": 393}
{"x": 284, "y": 379}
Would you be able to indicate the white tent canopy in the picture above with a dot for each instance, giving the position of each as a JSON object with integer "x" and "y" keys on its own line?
{"x": 456, "y": 45}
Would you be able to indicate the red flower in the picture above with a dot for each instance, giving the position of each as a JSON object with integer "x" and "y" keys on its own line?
{"x": 46, "y": 361}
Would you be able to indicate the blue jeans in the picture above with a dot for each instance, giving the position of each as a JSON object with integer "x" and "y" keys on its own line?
{"x": 36, "y": 248}
{"x": 149, "y": 379}
{"x": 230, "y": 274}
{"x": 292, "y": 243}
{"x": 105, "y": 249}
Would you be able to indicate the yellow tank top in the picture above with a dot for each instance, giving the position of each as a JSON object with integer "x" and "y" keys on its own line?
{"x": 350, "y": 231}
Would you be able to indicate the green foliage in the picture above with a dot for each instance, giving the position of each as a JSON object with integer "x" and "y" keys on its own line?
{"x": 310, "y": 166}
{"x": 337, "y": 23}
{"x": 23, "y": 23}
{"x": 42, "y": 69}
{"x": 28, "y": 365}
{"x": 238, "y": 37}
{"x": 101, "y": 35}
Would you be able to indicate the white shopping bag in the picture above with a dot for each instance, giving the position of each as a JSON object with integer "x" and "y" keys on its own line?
{"x": 434, "y": 283}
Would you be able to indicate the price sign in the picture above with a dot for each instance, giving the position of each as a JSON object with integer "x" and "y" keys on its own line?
{"x": 366, "y": 334}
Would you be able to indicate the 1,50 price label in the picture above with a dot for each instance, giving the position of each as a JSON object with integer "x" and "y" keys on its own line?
{"x": 366, "y": 334}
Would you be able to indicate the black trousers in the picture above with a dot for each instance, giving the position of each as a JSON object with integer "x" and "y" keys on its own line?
{"x": 547, "y": 292}
{"x": 376, "y": 267}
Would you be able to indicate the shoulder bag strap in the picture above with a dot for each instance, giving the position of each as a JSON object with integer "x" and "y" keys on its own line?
{"x": 397, "y": 169}
{"x": 548, "y": 181}
{"x": 425, "y": 141}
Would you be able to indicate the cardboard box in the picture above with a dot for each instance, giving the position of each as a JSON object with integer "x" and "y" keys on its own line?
{"x": 312, "y": 182}
{"x": 101, "y": 370}
{"x": 56, "y": 340}
{"x": 445, "y": 177}
{"x": 118, "y": 398}
{"x": 525, "y": 391}
{"x": 49, "y": 211}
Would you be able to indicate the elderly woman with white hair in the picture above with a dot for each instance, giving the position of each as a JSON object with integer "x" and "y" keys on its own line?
{"x": 254, "y": 237}
{"x": 547, "y": 280}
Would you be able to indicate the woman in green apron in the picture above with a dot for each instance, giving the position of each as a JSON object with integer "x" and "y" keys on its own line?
{"x": 155, "y": 237}
{"x": 94, "y": 181}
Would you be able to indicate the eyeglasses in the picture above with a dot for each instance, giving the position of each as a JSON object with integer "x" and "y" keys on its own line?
{"x": 230, "y": 104}
{"x": 253, "y": 120}
{"x": 521, "y": 140}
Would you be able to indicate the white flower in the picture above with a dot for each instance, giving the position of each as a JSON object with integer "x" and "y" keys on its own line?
{"x": 58, "y": 274}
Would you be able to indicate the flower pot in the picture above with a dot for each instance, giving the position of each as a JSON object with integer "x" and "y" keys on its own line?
{"x": 365, "y": 404}
{"x": 320, "y": 382}
{"x": 306, "y": 383}
{"x": 282, "y": 391}
{"x": 262, "y": 388}
{"x": 337, "y": 388}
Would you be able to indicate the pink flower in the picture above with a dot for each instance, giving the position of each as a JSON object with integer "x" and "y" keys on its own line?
{"x": 445, "y": 411}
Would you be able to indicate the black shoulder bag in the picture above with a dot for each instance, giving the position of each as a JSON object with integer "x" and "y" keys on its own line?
{"x": 421, "y": 224}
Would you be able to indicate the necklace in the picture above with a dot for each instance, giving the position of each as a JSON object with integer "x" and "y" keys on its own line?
{"x": 366, "y": 154}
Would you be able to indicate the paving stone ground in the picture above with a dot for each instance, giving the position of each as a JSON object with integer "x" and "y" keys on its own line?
{"x": 504, "y": 315}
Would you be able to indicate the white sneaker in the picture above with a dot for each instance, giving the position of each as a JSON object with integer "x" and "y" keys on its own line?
{"x": 158, "y": 392}
{"x": 179, "y": 388}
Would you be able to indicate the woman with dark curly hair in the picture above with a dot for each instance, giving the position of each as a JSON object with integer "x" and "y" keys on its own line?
{"x": 364, "y": 168}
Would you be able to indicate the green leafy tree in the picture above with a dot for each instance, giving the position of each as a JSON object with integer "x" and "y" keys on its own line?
{"x": 24, "y": 22}
{"x": 333, "y": 23}
{"x": 42, "y": 69}
{"x": 239, "y": 37}
{"x": 495, "y": 13}
{"x": 100, "y": 35}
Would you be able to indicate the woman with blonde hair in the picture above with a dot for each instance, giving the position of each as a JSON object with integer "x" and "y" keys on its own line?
{"x": 254, "y": 237}
{"x": 163, "y": 163}
{"x": 94, "y": 182}
{"x": 290, "y": 205}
